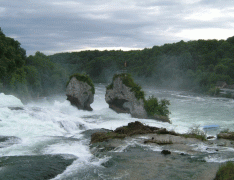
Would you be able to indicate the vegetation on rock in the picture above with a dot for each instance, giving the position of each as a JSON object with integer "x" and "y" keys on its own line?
{"x": 129, "y": 82}
{"x": 154, "y": 107}
{"x": 84, "y": 78}
{"x": 131, "y": 129}
{"x": 195, "y": 132}
{"x": 136, "y": 128}
{"x": 225, "y": 172}
{"x": 226, "y": 134}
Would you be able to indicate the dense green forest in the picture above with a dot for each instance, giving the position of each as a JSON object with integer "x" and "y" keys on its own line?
{"x": 194, "y": 65}
{"x": 28, "y": 77}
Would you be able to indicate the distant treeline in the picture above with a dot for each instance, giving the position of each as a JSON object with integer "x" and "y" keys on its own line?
{"x": 196, "y": 65}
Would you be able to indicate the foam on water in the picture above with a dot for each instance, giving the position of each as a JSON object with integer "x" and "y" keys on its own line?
{"x": 55, "y": 127}
{"x": 9, "y": 101}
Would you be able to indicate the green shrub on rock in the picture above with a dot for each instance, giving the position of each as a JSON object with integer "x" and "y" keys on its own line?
{"x": 154, "y": 107}
{"x": 83, "y": 78}
{"x": 214, "y": 91}
{"x": 129, "y": 82}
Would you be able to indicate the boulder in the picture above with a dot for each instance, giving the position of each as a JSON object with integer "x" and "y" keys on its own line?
{"x": 226, "y": 135}
{"x": 80, "y": 93}
{"x": 165, "y": 152}
{"x": 122, "y": 99}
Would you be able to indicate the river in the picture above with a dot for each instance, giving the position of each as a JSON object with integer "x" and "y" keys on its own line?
{"x": 50, "y": 139}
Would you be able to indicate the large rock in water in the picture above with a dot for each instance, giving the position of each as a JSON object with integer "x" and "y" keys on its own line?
{"x": 122, "y": 100}
{"x": 80, "y": 94}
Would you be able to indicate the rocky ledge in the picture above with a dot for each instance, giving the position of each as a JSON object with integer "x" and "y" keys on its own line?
{"x": 137, "y": 128}
{"x": 226, "y": 135}
{"x": 80, "y": 92}
{"x": 157, "y": 153}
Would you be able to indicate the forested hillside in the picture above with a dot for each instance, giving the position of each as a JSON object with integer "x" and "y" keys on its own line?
{"x": 27, "y": 77}
{"x": 194, "y": 65}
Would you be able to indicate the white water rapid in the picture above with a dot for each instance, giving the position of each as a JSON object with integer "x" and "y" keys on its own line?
{"x": 51, "y": 126}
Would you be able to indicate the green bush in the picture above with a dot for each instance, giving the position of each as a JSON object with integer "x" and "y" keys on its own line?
{"x": 83, "y": 78}
{"x": 225, "y": 172}
{"x": 214, "y": 91}
{"x": 154, "y": 107}
{"x": 196, "y": 132}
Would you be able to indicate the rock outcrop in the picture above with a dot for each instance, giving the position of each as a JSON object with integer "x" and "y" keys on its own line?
{"x": 124, "y": 96}
{"x": 133, "y": 128}
{"x": 226, "y": 135}
{"x": 122, "y": 99}
{"x": 80, "y": 93}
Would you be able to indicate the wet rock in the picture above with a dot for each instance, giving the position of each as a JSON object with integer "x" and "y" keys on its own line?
{"x": 165, "y": 152}
{"x": 211, "y": 149}
{"x": 133, "y": 128}
{"x": 125, "y": 96}
{"x": 122, "y": 99}
{"x": 34, "y": 167}
{"x": 210, "y": 137}
{"x": 80, "y": 94}
{"x": 6, "y": 141}
{"x": 16, "y": 108}
{"x": 227, "y": 135}
{"x": 163, "y": 142}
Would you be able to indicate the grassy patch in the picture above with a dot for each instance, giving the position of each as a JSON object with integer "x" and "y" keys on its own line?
{"x": 225, "y": 131}
{"x": 83, "y": 78}
{"x": 225, "y": 172}
{"x": 195, "y": 132}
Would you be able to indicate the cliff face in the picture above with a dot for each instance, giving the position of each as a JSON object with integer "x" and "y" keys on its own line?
{"x": 122, "y": 100}
{"x": 79, "y": 94}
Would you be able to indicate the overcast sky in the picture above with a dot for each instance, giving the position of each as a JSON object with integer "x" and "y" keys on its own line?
{"x": 52, "y": 26}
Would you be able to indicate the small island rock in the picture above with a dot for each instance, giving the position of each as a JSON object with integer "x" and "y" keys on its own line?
{"x": 122, "y": 100}
{"x": 80, "y": 94}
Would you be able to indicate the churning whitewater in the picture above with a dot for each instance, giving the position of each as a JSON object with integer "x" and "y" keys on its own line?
{"x": 50, "y": 139}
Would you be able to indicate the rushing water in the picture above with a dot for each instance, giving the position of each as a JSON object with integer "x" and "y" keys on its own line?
{"x": 51, "y": 139}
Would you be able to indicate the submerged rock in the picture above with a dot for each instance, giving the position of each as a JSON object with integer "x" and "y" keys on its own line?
{"x": 6, "y": 141}
{"x": 34, "y": 167}
{"x": 165, "y": 152}
{"x": 16, "y": 108}
{"x": 80, "y": 92}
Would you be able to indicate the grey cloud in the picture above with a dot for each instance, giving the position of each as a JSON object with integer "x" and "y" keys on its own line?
{"x": 57, "y": 26}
